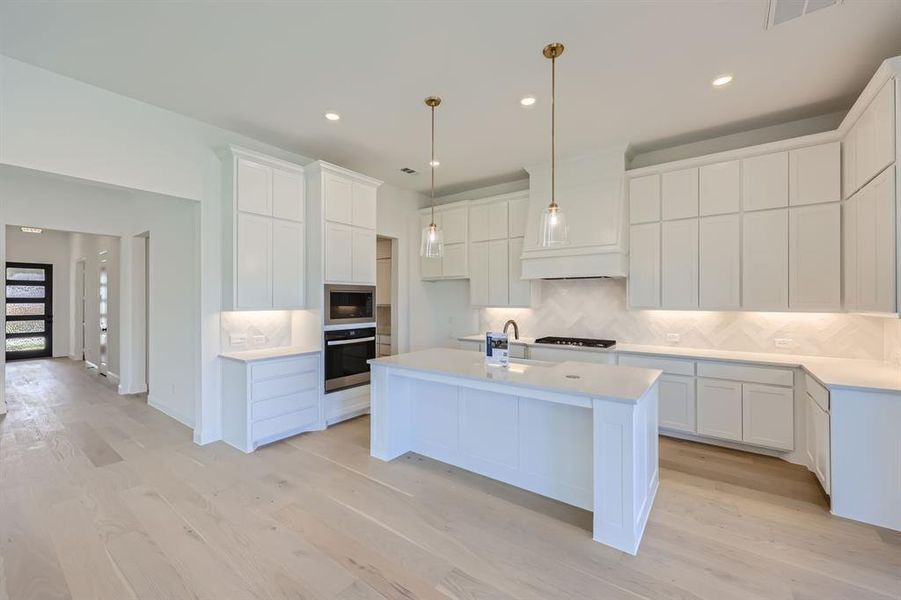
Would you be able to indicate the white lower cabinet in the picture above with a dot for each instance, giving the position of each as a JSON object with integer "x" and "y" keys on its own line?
{"x": 768, "y": 416}
{"x": 676, "y": 403}
{"x": 818, "y": 442}
{"x": 719, "y": 409}
{"x": 269, "y": 399}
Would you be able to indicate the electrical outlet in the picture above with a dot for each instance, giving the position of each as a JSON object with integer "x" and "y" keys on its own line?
{"x": 673, "y": 337}
{"x": 237, "y": 339}
{"x": 783, "y": 342}
{"x": 259, "y": 340}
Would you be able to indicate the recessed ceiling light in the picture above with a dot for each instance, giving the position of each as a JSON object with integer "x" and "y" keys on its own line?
{"x": 332, "y": 116}
{"x": 434, "y": 163}
{"x": 722, "y": 80}
{"x": 528, "y": 101}
{"x": 31, "y": 230}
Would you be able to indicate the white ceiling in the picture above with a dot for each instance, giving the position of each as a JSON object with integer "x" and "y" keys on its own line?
{"x": 634, "y": 72}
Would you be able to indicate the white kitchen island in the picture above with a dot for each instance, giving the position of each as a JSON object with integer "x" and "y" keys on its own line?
{"x": 581, "y": 433}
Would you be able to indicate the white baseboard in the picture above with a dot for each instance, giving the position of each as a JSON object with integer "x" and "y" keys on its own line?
{"x": 138, "y": 389}
{"x": 170, "y": 412}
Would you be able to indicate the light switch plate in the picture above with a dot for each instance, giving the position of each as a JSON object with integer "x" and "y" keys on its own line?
{"x": 673, "y": 337}
{"x": 237, "y": 339}
{"x": 783, "y": 342}
{"x": 259, "y": 340}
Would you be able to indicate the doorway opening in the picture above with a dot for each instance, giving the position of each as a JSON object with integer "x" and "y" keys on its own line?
{"x": 385, "y": 293}
{"x": 29, "y": 310}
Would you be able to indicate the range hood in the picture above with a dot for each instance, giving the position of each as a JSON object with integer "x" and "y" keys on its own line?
{"x": 590, "y": 192}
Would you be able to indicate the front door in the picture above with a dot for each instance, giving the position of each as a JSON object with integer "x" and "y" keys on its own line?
{"x": 29, "y": 310}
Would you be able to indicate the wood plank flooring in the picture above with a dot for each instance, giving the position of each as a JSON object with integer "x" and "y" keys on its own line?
{"x": 102, "y": 497}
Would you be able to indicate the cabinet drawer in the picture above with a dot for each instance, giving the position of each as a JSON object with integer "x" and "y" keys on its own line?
{"x": 673, "y": 366}
{"x": 766, "y": 375}
{"x": 282, "y": 386}
{"x": 816, "y": 391}
{"x": 282, "y": 405}
{"x": 269, "y": 430}
{"x": 281, "y": 368}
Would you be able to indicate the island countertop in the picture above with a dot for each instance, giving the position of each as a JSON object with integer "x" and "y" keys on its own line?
{"x": 624, "y": 384}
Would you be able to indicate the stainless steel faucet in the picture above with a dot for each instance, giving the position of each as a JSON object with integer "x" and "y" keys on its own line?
{"x": 515, "y": 328}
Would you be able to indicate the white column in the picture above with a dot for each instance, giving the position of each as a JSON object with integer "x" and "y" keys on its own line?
{"x": 390, "y": 409}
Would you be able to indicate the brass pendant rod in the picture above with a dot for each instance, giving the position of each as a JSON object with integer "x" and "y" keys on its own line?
{"x": 553, "y": 130}
{"x": 432, "y": 165}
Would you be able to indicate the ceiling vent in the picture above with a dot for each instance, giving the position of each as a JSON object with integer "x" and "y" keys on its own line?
{"x": 786, "y": 10}
{"x": 408, "y": 171}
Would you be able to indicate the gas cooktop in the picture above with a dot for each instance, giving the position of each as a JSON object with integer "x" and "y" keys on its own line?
{"x": 572, "y": 341}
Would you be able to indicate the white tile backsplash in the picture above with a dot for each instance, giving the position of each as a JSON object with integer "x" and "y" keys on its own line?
{"x": 261, "y": 329}
{"x": 596, "y": 308}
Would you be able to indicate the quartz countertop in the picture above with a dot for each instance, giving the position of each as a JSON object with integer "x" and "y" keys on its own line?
{"x": 849, "y": 373}
{"x": 625, "y": 384}
{"x": 267, "y": 353}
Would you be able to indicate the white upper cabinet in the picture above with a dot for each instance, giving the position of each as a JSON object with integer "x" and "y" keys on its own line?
{"x": 287, "y": 195}
{"x": 254, "y": 262}
{"x": 487, "y": 221}
{"x": 364, "y": 205}
{"x": 263, "y": 241}
{"x": 679, "y": 194}
{"x": 644, "y": 199}
{"x": 338, "y": 250}
{"x": 363, "y": 256}
{"x": 520, "y": 289}
{"x": 254, "y": 183}
{"x": 719, "y": 188}
{"x": 518, "y": 212}
{"x": 764, "y": 181}
{"x": 815, "y": 257}
{"x": 849, "y": 163}
{"x": 815, "y": 174}
{"x": 287, "y": 264}
{"x": 849, "y": 253}
{"x": 871, "y": 246}
{"x": 680, "y": 264}
{"x": 644, "y": 266}
{"x": 338, "y": 198}
{"x": 719, "y": 263}
{"x": 453, "y": 221}
{"x": 869, "y": 146}
{"x": 765, "y": 260}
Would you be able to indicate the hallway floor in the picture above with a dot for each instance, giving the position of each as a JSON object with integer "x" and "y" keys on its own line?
{"x": 102, "y": 497}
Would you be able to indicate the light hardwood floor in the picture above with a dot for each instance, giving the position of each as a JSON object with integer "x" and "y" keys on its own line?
{"x": 103, "y": 497}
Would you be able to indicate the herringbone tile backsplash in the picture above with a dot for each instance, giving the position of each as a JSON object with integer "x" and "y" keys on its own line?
{"x": 597, "y": 308}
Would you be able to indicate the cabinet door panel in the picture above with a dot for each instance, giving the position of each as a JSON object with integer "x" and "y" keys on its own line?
{"x": 719, "y": 409}
{"x": 764, "y": 181}
{"x": 768, "y": 416}
{"x": 849, "y": 163}
{"x": 287, "y": 264}
{"x": 478, "y": 274}
{"x": 677, "y": 403}
{"x": 338, "y": 199}
{"x": 822, "y": 437}
{"x": 454, "y": 261}
{"x": 680, "y": 264}
{"x": 254, "y": 191}
{"x": 765, "y": 260}
{"x": 518, "y": 212}
{"x": 363, "y": 256}
{"x": 453, "y": 221}
{"x": 338, "y": 252}
{"x": 364, "y": 205}
{"x": 849, "y": 253}
{"x": 520, "y": 289}
{"x": 815, "y": 174}
{"x": 875, "y": 244}
{"x": 287, "y": 195}
{"x": 498, "y": 273}
{"x": 719, "y": 260}
{"x": 644, "y": 265}
{"x": 720, "y": 188}
{"x": 488, "y": 221}
{"x": 815, "y": 251}
{"x": 679, "y": 194}
{"x": 810, "y": 433}
{"x": 644, "y": 199}
{"x": 254, "y": 262}
{"x": 884, "y": 141}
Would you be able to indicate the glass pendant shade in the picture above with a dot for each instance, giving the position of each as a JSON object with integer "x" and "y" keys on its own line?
{"x": 553, "y": 230}
{"x": 432, "y": 245}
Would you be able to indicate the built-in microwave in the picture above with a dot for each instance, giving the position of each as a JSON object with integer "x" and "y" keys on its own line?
{"x": 349, "y": 304}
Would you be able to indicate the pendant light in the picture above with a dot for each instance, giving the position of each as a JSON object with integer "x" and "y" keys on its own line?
{"x": 553, "y": 222}
{"x": 432, "y": 245}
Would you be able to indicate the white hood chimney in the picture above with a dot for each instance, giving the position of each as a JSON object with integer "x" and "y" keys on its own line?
{"x": 590, "y": 193}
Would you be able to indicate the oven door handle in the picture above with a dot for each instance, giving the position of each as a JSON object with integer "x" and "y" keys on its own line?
{"x": 353, "y": 341}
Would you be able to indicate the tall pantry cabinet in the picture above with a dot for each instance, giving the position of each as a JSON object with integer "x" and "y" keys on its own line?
{"x": 264, "y": 234}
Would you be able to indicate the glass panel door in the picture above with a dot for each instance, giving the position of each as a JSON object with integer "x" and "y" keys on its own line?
{"x": 29, "y": 310}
